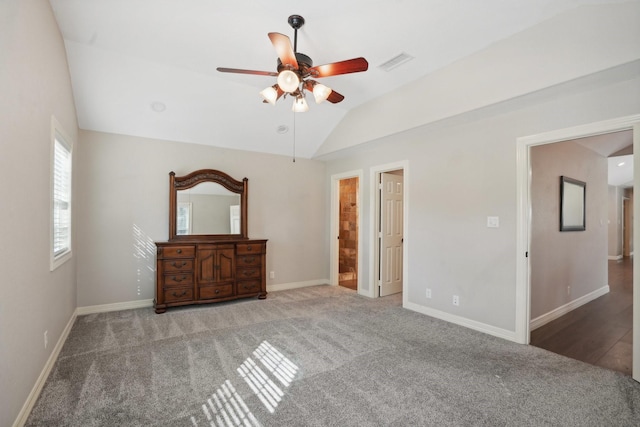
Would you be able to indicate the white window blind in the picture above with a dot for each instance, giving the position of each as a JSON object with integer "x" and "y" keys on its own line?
{"x": 61, "y": 199}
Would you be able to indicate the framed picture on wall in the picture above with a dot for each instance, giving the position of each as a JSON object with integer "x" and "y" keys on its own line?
{"x": 572, "y": 204}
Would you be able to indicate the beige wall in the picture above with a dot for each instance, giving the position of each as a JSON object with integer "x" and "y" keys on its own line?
{"x": 566, "y": 265}
{"x": 464, "y": 169}
{"x": 124, "y": 205}
{"x": 34, "y": 85}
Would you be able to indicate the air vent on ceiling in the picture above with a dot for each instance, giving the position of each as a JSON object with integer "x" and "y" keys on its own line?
{"x": 396, "y": 61}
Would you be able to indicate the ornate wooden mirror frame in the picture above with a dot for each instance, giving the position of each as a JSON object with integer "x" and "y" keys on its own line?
{"x": 177, "y": 183}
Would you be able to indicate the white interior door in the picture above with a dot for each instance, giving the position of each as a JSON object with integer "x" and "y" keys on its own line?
{"x": 390, "y": 234}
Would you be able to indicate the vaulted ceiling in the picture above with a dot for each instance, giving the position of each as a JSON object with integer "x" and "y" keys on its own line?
{"x": 148, "y": 67}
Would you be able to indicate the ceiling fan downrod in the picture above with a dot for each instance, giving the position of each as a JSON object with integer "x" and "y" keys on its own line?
{"x": 296, "y": 22}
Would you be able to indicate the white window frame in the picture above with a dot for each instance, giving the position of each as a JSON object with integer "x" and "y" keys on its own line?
{"x": 59, "y": 136}
{"x": 184, "y": 215}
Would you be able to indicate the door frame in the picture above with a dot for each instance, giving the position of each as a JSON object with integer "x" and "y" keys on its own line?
{"x": 334, "y": 247}
{"x": 523, "y": 235}
{"x": 374, "y": 214}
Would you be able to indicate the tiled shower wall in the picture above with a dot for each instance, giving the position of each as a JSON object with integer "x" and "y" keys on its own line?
{"x": 348, "y": 229}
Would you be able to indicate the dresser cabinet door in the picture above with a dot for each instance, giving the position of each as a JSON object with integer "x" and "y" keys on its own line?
{"x": 226, "y": 264}
{"x": 216, "y": 271}
{"x": 206, "y": 265}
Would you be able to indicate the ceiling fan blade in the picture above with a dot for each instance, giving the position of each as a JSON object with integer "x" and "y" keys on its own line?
{"x": 240, "y": 71}
{"x": 354, "y": 65}
{"x": 335, "y": 97}
{"x": 284, "y": 50}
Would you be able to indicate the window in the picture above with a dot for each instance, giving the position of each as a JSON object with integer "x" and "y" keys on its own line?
{"x": 184, "y": 218}
{"x": 60, "y": 197}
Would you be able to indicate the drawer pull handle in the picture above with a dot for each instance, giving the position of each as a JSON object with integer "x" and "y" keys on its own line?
{"x": 248, "y": 247}
{"x": 179, "y": 279}
{"x": 248, "y": 287}
{"x": 217, "y": 291}
{"x": 250, "y": 259}
{"x": 175, "y": 294}
{"x": 179, "y": 251}
{"x": 178, "y": 264}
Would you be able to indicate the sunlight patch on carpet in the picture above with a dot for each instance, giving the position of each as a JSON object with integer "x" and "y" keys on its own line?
{"x": 226, "y": 408}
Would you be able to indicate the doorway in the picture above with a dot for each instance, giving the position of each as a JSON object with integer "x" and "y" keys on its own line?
{"x": 346, "y": 223}
{"x": 348, "y": 233}
{"x": 523, "y": 287}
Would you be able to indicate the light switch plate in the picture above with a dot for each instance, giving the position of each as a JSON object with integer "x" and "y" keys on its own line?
{"x": 493, "y": 222}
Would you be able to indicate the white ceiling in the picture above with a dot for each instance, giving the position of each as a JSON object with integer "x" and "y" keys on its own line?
{"x": 125, "y": 56}
{"x": 618, "y": 147}
{"x": 621, "y": 171}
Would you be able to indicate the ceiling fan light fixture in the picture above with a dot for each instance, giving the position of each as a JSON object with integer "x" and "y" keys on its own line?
{"x": 321, "y": 92}
{"x": 288, "y": 81}
{"x": 270, "y": 94}
{"x": 300, "y": 105}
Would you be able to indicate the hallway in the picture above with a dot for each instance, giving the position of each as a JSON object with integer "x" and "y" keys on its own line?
{"x": 600, "y": 331}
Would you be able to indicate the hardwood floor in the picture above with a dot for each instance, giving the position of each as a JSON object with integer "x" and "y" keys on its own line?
{"x": 600, "y": 331}
{"x": 351, "y": 284}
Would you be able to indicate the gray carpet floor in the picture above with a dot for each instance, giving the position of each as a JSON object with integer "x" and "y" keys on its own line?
{"x": 318, "y": 356}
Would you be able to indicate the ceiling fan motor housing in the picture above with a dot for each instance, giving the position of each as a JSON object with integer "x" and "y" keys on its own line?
{"x": 304, "y": 63}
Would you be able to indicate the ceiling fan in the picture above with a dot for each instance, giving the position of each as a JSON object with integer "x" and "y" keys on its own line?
{"x": 296, "y": 71}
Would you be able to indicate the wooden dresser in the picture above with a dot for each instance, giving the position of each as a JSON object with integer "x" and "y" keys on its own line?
{"x": 203, "y": 272}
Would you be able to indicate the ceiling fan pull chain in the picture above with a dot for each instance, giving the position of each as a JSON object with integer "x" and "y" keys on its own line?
{"x": 294, "y": 137}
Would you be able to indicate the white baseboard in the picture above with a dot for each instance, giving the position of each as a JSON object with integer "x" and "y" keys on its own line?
{"x": 23, "y": 415}
{"x": 103, "y": 308}
{"x": 295, "y": 285}
{"x": 562, "y": 310}
{"x": 462, "y": 321}
{"x": 614, "y": 257}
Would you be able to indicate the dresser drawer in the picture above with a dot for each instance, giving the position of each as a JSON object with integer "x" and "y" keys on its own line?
{"x": 248, "y": 273}
{"x": 249, "y": 260}
{"x": 249, "y": 287}
{"x": 178, "y": 279}
{"x": 178, "y": 294}
{"x": 249, "y": 248}
{"x": 211, "y": 292}
{"x": 171, "y": 265}
{"x": 186, "y": 251}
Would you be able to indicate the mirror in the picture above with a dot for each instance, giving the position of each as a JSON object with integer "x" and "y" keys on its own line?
{"x": 207, "y": 204}
{"x": 572, "y": 204}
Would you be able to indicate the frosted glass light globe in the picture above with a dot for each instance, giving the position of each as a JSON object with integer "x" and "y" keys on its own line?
{"x": 270, "y": 95}
{"x": 300, "y": 105}
{"x": 288, "y": 81}
{"x": 321, "y": 92}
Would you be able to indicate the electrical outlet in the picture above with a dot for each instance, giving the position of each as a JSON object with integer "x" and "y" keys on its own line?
{"x": 272, "y": 275}
{"x": 428, "y": 293}
{"x": 456, "y": 300}
{"x": 46, "y": 339}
